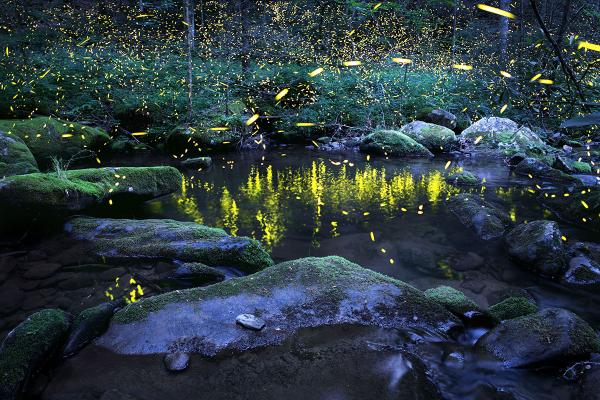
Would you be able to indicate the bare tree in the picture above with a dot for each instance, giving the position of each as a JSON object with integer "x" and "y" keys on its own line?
{"x": 504, "y": 5}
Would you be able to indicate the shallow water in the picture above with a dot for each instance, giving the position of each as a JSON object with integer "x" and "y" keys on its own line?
{"x": 385, "y": 214}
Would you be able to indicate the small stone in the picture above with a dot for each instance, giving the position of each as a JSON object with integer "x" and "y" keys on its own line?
{"x": 176, "y": 362}
{"x": 250, "y": 321}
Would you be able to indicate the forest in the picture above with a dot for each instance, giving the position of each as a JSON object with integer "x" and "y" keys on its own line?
{"x": 302, "y": 199}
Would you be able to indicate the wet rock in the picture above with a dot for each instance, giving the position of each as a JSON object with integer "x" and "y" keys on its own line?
{"x": 512, "y": 307}
{"x": 15, "y": 157}
{"x": 197, "y": 274}
{"x": 590, "y": 383}
{"x": 552, "y": 335}
{"x": 54, "y": 139}
{"x": 183, "y": 139}
{"x": 176, "y": 362}
{"x": 572, "y": 167}
{"x": 27, "y": 346}
{"x": 197, "y": 162}
{"x": 581, "y": 207}
{"x": 583, "y": 272}
{"x": 309, "y": 292}
{"x": 538, "y": 245}
{"x": 456, "y": 302}
{"x": 534, "y": 168}
{"x": 435, "y": 138}
{"x": 125, "y": 145}
{"x": 11, "y": 299}
{"x": 127, "y": 239}
{"x": 393, "y": 143}
{"x": 40, "y": 270}
{"x": 88, "y": 325}
{"x": 114, "y": 394}
{"x": 488, "y": 221}
{"x": 250, "y": 321}
{"x": 464, "y": 178}
{"x": 441, "y": 117}
{"x": 75, "y": 190}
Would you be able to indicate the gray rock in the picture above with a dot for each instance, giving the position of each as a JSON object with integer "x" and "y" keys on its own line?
{"x": 176, "y": 362}
{"x": 553, "y": 335}
{"x": 36, "y": 270}
{"x": 488, "y": 221}
{"x": 250, "y": 321}
{"x": 197, "y": 162}
{"x": 442, "y": 117}
{"x": 309, "y": 292}
{"x": 436, "y": 138}
{"x": 393, "y": 143}
{"x": 535, "y": 168}
{"x": 538, "y": 245}
{"x": 583, "y": 271}
{"x": 88, "y": 325}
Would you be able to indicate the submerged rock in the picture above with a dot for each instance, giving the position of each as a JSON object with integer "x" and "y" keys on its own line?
{"x": 435, "y": 137}
{"x": 76, "y": 190}
{"x": 538, "y": 245}
{"x": 88, "y": 325}
{"x": 488, "y": 221}
{"x": 464, "y": 178}
{"x": 393, "y": 143}
{"x": 27, "y": 346}
{"x": 512, "y": 307}
{"x": 250, "y": 321}
{"x": 176, "y": 362}
{"x": 534, "y": 168}
{"x": 197, "y": 162}
{"x": 15, "y": 157}
{"x": 308, "y": 292}
{"x": 168, "y": 239}
{"x": 553, "y": 335}
{"x": 48, "y": 137}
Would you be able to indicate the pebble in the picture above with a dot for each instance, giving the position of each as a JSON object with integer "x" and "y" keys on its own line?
{"x": 176, "y": 362}
{"x": 250, "y": 321}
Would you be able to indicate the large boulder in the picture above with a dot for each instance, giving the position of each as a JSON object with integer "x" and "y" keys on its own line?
{"x": 488, "y": 221}
{"x": 75, "y": 190}
{"x": 534, "y": 168}
{"x": 553, "y": 335}
{"x": 15, "y": 157}
{"x": 28, "y": 346}
{"x": 393, "y": 143}
{"x": 436, "y": 138}
{"x": 538, "y": 245}
{"x": 505, "y": 136}
{"x": 440, "y": 117}
{"x": 48, "y": 137}
{"x": 128, "y": 239}
{"x": 309, "y": 292}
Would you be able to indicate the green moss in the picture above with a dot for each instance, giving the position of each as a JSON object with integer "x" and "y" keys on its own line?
{"x": 333, "y": 273}
{"x": 393, "y": 143}
{"x": 465, "y": 178}
{"x": 78, "y": 189}
{"x": 512, "y": 307}
{"x": 15, "y": 157}
{"x": 581, "y": 167}
{"x": 48, "y": 137}
{"x": 28, "y": 345}
{"x": 454, "y": 300}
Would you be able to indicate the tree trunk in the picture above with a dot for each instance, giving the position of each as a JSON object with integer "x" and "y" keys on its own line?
{"x": 189, "y": 17}
{"x": 505, "y": 5}
{"x": 245, "y": 50}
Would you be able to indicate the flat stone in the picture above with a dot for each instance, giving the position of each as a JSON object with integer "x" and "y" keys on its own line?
{"x": 250, "y": 321}
{"x": 176, "y": 362}
{"x": 37, "y": 270}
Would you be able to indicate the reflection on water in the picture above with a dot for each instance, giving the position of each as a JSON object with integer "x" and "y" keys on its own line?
{"x": 344, "y": 191}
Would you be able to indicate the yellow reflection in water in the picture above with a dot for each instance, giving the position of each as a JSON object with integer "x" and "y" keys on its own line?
{"x": 264, "y": 204}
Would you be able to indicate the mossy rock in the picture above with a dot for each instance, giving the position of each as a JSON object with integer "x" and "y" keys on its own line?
{"x": 198, "y": 139}
{"x": 536, "y": 169}
{"x": 28, "y": 346}
{"x": 572, "y": 208}
{"x": 75, "y": 190}
{"x": 128, "y": 239}
{"x": 15, "y": 157}
{"x": 580, "y": 167}
{"x": 197, "y": 274}
{"x": 538, "y": 245}
{"x": 124, "y": 145}
{"x": 308, "y": 292}
{"x": 463, "y": 178}
{"x": 393, "y": 143}
{"x": 435, "y": 138}
{"x": 48, "y": 137}
{"x": 512, "y": 307}
{"x": 488, "y": 221}
{"x": 553, "y": 336}
{"x": 454, "y": 301}
{"x": 197, "y": 162}
{"x": 88, "y": 325}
